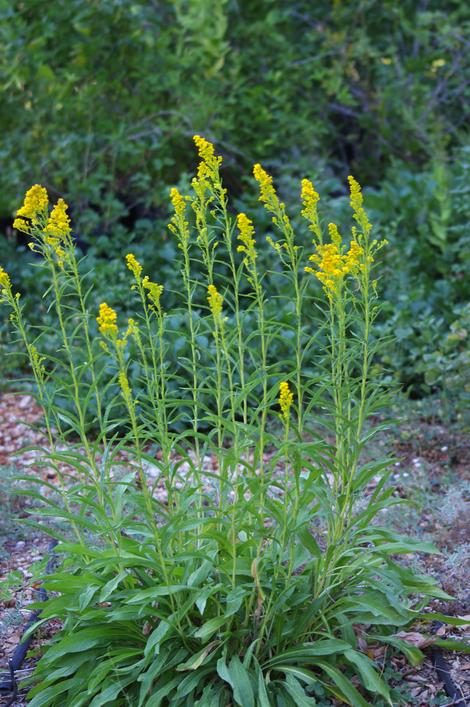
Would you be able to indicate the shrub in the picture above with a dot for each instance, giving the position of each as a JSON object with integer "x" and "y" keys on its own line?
{"x": 100, "y": 96}
{"x": 425, "y": 216}
{"x": 218, "y": 552}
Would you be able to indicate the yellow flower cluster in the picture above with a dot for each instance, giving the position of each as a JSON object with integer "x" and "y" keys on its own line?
{"x": 125, "y": 387}
{"x": 178, "y": 224}
{"x": 34, "y": 205}
{"x": 332, "y": 264}
{"x": 309, "y": 195}
{"x": 178, "y": 201}
{"x": 37, "y": 361}
{"x": 286, "y": 399}
{"x": 107, "y": 320}
{"x": 154, "y": 292}
{"x": 58, "y": 224}
{"x": 268, "y": 194}
{"x": 210, "y": 162}
{"x": 132, "y": 328}
{"x": 5, "y": 281}
{"x": 248, "y": 243}
{"x": 215, "y": 301}
{"x": 310, "y": 199}
{"x": 355, "y": 201}
{"x": 134, "y": 266}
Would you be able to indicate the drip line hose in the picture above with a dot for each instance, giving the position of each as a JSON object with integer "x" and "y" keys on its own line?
{"x": 10, "y": 683}
{"x": 444, "y": 672}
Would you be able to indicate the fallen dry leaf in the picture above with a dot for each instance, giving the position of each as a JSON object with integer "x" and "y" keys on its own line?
{"x": 414, "y": 638}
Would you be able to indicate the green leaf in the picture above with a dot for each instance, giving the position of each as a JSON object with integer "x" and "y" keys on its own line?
{"x": 242, "y": 689}
{"x": 452, "y": 645}
{"x": 297, "y": 692}
{"x": 110, "y": 586}
{"x": 155, "y": 592}
{"x": 371, "y": 679}
{"x": 348, "y": 691}
{"x": 210, "y": 627}
{"x": 198, "y": 659}
{"x": 156, "y": 637}
{"x": 47, "y": 696}
{"x": 412, "y": 653}
{"x": 309, "y": 542}
{"x": 306, "y": 651}
{"x": 234, "y": 600}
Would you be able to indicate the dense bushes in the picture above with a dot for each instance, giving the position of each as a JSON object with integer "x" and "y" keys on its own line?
{"x": 101, "y": 97}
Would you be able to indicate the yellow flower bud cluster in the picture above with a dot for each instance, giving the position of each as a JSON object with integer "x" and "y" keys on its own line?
{"x": 37, "y": 361}
{"x": 34, "y": 205}
{"x": 248, "y": 243}
{"x": 215, "y": 302}
{"x": 286, "y": 399}
{"x": 210, "y": 162}
{"x": 5, "y": 282}
{"x": 178, "y": 201}
{"x": 134, "y": 266}
{"x": 57, "y": 230}
{"x": 268, "y": 194}
{"x": 154, "y": 292}
{"x": 310, "y": 199}
{"x": 125, "y": 387}
{"x": 178, "y": 224}
{"x": 132, "y": 329}
{"x": 332, "y": 263}
{"x": 107, "y": 319}
{"x": 356, "y": 200}
{"x": 58, "y": 224}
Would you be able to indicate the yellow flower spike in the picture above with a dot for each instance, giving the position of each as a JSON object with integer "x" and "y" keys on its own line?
{"x": 209, "y": 167}
{"x": 356, "y": 197}
{"x": 5, "y": 281}
{"x": 37, "y": 361}
{"x": 356, "y": 200}
{"x": 334, "y": 234}
{"x": 58, "y": 224}
{"x": 61, "y": 256}
{"x": 178, "y": 224}
{"x": 178, "y": 201}
{"x": 268, "y": 194}
{"x": 124, "y": 385}
{"x": 216, "y": 301}
{"x": 134, "y": 266}
{"x": 107, "y": 321}
{"x": 246, "y": 233}
{"x": 309, "y": 195}
{"x": 154, "y": 292}
{"x": 310, "y": 199}
{"x": 286, "y": 399}
{"x": 34, "y": 205}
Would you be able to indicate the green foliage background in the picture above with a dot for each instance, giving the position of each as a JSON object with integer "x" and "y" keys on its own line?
{"x": 100, "y": 99}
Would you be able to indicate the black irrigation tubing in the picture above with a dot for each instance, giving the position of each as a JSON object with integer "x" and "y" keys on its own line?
{"x": 443, "y": 670}
{"x": 10, "y": 684}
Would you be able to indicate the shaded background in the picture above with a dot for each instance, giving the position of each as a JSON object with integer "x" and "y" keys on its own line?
{"x": 100, "y": 99}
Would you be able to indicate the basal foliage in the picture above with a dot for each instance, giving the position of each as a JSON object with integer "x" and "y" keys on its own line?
{"x": 219, "y": 539}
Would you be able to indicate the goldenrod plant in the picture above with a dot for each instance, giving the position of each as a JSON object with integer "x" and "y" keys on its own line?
{"x": 219, "y": 535}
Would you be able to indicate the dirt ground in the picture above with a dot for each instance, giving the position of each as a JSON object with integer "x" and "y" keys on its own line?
{"x": 432, "y": 471}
